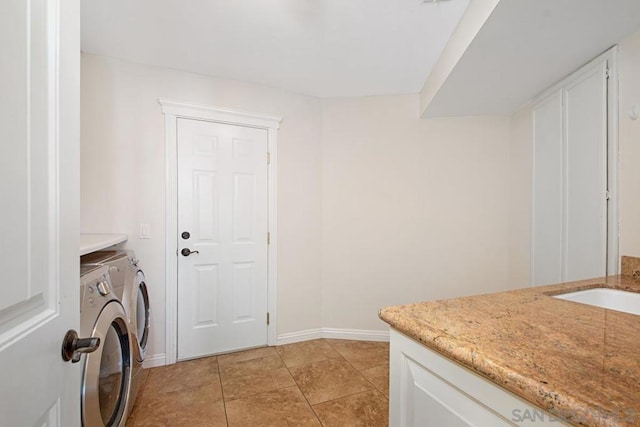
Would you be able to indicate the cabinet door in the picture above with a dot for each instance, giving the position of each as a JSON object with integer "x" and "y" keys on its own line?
{"x": 429, "y": 390}
{"x": 570, "y": 179}
{"x": 586, "y": 176}
{"x": 432, "y": 401}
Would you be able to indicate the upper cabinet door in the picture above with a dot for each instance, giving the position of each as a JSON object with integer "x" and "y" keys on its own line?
{"x": 586, "y": 175}
{"x": 570, "y": 198}
{"x": 39, "y": 183}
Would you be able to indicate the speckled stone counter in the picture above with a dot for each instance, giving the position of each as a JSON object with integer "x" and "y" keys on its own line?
{"x": 578, "y": 362}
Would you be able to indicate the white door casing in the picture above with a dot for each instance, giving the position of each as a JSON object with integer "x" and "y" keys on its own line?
{"x": 39, "y": 188}
{"x": 574, "y": 218}
{"x": 173, "y": 111}
{"x": 222, "y": 204}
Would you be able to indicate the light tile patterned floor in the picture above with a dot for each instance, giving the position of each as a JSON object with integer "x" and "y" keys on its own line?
{"x": 313, "y": 383}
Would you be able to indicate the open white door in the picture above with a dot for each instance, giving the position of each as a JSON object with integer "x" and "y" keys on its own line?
{"x": 39, "y": 198}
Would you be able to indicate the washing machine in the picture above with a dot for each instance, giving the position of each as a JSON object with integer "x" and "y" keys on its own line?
{"x": 106, "y": 373}
{"x": 130, "y": 286}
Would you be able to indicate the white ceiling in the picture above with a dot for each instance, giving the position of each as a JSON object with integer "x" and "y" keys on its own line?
{"x": 324, "y": 48}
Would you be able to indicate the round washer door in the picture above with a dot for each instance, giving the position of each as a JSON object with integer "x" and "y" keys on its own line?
{"x": 107, "y": 371}
{"x": 142, "y": 314}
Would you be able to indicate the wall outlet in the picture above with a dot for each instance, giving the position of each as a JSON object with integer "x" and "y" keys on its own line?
{"x": 145, "y": 231}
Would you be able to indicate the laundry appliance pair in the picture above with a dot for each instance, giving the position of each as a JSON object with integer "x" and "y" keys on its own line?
{"x": 115, "y": 308}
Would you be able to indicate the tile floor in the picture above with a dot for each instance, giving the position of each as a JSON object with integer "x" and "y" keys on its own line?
{"x": 314, "y": 383}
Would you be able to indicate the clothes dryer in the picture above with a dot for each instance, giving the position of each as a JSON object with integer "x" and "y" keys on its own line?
{"x": 136, "y": 300}
{"x": 106, "y": 373}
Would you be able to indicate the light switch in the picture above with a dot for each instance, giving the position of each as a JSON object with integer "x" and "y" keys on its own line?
{"x": 145, "y": 231}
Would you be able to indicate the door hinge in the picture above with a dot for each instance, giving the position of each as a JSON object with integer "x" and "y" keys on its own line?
{"x": 268, "y": 157}
{"x": 267, "y": 317}
{"x": 268, "y": 238}
{"x": 607, "y": 195}
{"x": 607, "y": 73}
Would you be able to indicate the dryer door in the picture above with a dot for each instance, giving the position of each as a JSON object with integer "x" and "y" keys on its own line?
{"x": 142, "y": 314}
{"x": 107, "y": 373}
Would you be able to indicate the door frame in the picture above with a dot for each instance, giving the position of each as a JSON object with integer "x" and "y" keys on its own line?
{"x": 174, "y": 110}
{"x": 610, "y": 56}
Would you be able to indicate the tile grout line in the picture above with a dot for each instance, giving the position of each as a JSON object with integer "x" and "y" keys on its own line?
{"x": 224, "y": 401}
{"x": 359, "y": 371}
{"x": 259, "y": 392}
{"x": 300, "y": 390}
{"x": 342, "y": 357}
{"x": 348, "y": 395}
{"x": 375, "y": 386}
{"x": 371, "y": 386}
{"x": 355, "y": 369}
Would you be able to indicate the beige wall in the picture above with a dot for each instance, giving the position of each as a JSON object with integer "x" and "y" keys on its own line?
{"x": 122, "y": 159}
{"x": 375, "y": 206}
{"x": 412, "y": 209}
{"x": 629, "y": 137}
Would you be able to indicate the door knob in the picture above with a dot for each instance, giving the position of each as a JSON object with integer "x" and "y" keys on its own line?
{"x": 73, "y": 347}
{"x": 187, "y": 252}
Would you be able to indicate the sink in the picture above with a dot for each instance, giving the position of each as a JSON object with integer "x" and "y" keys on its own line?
{"x": 612, "y": 299}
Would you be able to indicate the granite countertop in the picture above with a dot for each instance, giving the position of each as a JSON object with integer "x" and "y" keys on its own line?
{"x": 578, "y": 362}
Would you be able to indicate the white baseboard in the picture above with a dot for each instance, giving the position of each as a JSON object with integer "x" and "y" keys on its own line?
{"x": 299, "y": 336}
{"x": 341, "y": 334}
{"x": 355, "y": 334}
{"x": 151, "y": 361}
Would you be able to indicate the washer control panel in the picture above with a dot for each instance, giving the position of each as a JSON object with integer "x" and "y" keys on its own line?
{"x": 96, "y": 285}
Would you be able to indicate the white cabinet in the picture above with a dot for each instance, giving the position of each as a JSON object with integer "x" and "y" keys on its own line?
{"x": 571, "y": 178}
{"x": 427, "y": 389}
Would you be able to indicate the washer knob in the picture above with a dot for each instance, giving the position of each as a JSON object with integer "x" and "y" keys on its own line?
{"x": 103, "y": 288}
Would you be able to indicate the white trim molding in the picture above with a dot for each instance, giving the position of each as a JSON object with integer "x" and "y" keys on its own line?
{"x": 299, "y": 336}
{"x": 173, "y": 110}
{"x": 341, "y": 334}
{"x": 355, "y": 334}
{"x": 154, "y": 360}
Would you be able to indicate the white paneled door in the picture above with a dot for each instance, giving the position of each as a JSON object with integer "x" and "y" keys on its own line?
{"x": 39, "y": 186}
{"x": 222, "y": 237}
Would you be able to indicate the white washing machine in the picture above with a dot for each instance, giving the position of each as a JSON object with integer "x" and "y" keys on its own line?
{"x": 130, "y": 287}
{"x": 106, "y": 374}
